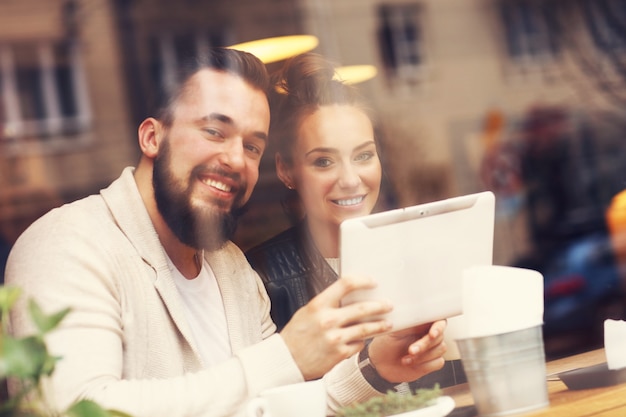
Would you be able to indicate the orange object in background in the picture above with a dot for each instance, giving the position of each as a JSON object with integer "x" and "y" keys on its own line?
{"x": 616, "y": 222}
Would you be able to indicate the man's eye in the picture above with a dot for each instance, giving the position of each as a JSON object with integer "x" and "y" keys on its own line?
{"x": 254, "y": 149}
{"x": 213, "y": 132}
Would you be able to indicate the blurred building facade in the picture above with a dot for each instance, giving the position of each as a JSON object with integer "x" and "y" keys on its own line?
{"x": 76, "y": 78}
{"x": 521, "y": 97}
{"x": 64, "y": 112}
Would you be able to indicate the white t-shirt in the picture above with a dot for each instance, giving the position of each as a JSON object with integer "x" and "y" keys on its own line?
{"x": 204, "y": 308}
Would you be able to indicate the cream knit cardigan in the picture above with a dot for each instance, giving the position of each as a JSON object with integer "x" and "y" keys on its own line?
{"x": 126, "y": 343}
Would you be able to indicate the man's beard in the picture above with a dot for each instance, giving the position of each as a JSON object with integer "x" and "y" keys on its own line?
{"x": 207, "y": 228}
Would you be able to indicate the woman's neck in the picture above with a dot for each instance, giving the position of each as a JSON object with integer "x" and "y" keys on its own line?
{"x": 325, "y": 237}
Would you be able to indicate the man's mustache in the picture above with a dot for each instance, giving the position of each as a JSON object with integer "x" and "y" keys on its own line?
{"x": 202, "y": 170}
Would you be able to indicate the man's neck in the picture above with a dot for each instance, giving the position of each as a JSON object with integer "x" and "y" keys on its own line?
{"x": 187, "y": 260}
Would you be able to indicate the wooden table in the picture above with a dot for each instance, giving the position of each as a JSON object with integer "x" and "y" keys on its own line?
{"x": 596, "y": 402}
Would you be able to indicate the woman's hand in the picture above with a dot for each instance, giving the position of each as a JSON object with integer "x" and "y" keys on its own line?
{"x": 409, "y": 354}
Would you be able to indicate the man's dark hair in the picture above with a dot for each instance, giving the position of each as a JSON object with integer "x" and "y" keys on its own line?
{"x": 239, "y": 63}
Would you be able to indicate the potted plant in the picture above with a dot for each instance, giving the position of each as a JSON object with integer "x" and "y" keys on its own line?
{"x": 423, "y": 402}
{"x": 27, "y": 361}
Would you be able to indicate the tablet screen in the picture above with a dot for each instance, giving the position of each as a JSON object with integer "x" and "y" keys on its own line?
{"x": 417, "y": 255}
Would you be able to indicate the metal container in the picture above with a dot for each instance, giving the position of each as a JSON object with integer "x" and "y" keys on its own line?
{"x": 506, "y": 372}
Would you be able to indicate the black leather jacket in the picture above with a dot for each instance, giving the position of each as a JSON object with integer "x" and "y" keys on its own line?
{"x": 288, "y": 263}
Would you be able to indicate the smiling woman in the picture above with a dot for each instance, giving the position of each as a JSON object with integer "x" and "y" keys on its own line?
{"x": 327, "y": 157}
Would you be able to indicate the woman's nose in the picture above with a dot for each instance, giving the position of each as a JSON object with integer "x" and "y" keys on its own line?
{"x": 349, "y": 177}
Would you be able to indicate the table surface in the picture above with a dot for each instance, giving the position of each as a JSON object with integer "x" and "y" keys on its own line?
{"x": 596, "y": 402}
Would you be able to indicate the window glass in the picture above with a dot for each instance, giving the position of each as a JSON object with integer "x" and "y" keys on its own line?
{"x": 400, "y": 38}
{"x": 605, "y": 20}
{"x": 41, "y": 92}
{"x": 527, "y": 28}
{"x": 28, "y": 78}
{"x": 64, "y": 77}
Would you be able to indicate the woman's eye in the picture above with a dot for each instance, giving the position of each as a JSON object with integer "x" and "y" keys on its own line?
{"x": 365, "y": 156}
{"x": 322, "y": 162}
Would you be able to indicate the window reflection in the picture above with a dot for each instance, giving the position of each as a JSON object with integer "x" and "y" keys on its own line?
{"x": 42, "y": 90}
{"x": 401, "y": 40}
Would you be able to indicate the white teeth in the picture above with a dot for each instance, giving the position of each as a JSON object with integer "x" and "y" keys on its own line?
{"x": 350, "y": 201}
{"x": 219, "y": 185}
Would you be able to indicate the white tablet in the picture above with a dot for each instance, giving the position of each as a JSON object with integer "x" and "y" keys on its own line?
{"x": 417, "y": 255}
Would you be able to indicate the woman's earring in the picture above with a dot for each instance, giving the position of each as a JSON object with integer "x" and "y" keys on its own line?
{"x": 289, "y": 186}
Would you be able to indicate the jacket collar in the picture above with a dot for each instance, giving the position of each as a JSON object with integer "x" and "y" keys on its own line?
{"x": 127, "y": 208}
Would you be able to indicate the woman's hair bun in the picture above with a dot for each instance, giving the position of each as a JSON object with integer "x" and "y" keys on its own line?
{"x": 307, "y": 79}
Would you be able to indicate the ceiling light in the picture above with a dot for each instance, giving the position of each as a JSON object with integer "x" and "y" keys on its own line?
{"x": 353, "y": 74}
{"x": 275, "y": 49}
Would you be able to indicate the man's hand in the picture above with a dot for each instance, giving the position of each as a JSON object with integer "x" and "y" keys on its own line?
{"x": 409, "y": 354}
{"x": 322, "y": 333}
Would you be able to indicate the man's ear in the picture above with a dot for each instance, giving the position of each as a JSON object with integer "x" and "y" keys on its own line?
{"x": 283, "y": 172}
{"x": 150, "y": 133}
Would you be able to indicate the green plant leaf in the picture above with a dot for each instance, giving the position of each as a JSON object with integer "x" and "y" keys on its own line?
{"x": 117, "y": 413}
{"x": 391, "y": 403}
{"x": 23, "y": 358}
{"x": 45, "y": 322}
{"x": 28, "y": 360}
{"x": 8, "y": 297}
{"x": 88, "y": 408}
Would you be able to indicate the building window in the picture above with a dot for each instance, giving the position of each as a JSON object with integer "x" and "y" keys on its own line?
{"x": 42, "y": 91}
{"x": 529, "y": 31}
{"x": 168, "y": 51}
{"x": 401, "y": 40}
{"x": 605, "y": 20}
